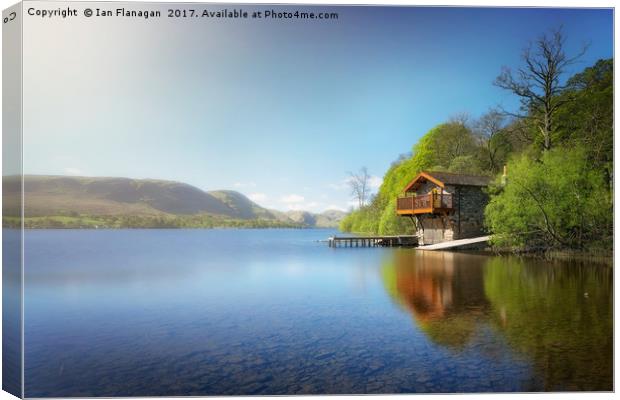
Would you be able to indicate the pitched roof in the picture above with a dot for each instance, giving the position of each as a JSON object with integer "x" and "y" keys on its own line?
{"x": 447, "y": 178}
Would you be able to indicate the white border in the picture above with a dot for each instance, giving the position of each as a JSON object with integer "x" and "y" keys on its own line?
{"x": 480, "y": 3}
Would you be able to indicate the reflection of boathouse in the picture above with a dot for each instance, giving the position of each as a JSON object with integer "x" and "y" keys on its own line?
{"x": 443, "y": 291}
{"x": 445, "y": 206}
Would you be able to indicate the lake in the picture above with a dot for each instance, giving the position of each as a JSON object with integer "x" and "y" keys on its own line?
{"x": 205, "y": 312}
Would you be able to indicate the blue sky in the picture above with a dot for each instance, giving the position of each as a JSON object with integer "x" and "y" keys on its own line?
{"x": 279, "y": 110}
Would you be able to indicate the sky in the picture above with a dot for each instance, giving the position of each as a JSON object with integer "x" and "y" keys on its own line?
{"x": 280, "y": 110}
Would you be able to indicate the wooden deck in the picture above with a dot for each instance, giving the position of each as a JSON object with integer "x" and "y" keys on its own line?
{"x": 373, "y": 241}
{"x": 401, "y": 241}
{"x": 424, "y": 204}
{"x": 454, "y": 244}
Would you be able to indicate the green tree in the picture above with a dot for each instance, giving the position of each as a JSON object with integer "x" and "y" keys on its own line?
{"x": 587, "y": 121}
{"x": 557, "y": 202}
{"x": 451, "y": 141}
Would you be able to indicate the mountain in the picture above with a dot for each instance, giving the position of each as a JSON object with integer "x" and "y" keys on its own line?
{"x": 85, "y": 196}
{"x": 302, "y": 217}
{"x": 327, "y": 219}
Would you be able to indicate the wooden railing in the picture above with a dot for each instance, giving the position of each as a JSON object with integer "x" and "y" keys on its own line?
{"x": 424, "y": 203}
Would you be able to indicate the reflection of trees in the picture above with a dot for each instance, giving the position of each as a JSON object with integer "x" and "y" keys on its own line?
{"x": 446, "y": 301}
{"x": 560, "y": 316}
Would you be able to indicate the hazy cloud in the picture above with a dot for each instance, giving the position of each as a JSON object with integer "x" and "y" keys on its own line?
{"x": 73, "y": 171}
{"x": 256, "y": 197}
{"x": 312, "y": 206}
{"x": 342, "y": 185}
{"x": 375, "y": 182}
{"x": 244, "y": 184}
{"x": 292, "y": 198}
{"x": 353, "y": 203}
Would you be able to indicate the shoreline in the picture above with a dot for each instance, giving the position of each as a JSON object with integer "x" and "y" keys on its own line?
{"x": 571, "y": 255}
{"x": 150, "y": 222}
{"x": 580, "y": 257}
{"x": 595, "y": 257}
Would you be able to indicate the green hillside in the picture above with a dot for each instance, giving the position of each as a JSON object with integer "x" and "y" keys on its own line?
{"x": 67, "y": 201}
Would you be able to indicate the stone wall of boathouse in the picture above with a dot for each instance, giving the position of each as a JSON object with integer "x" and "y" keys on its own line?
{"x": 466, "y": 220}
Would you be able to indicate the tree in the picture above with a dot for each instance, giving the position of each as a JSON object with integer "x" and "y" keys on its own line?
{"x": 489, "y": 130}
{"x": 455, "y": 148}
{"x": 359, "y": 184}
{"x": 556, "y": 202}
{"x": 453, "y": 139}
{"x": 588, "y": 120}
{"x": 539, "y": 84}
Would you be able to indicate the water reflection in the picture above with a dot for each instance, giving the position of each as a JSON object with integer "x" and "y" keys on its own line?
{"x": 249, "y": 312}
{"x": 556, "y": 315}
{"x": 445, "y": 299}
{"x": 559, "y": 314}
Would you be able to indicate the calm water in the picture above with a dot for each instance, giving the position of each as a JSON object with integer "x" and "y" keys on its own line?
{"x": 198, "y": 312}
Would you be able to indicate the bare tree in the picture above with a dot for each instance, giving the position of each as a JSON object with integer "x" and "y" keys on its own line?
{"x": 359, "y": 184}
{"x": 538, "y": 83}
{"x": 488, "y": 129}
{"x": 460, "y": 118}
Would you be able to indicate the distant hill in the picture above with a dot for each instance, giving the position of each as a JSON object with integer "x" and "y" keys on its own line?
{"x": 150, "y": 198}
{"x": 327, "y": 219}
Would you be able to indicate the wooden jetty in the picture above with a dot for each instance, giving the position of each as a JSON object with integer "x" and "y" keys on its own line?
{"x": 372, "y": 241}
{"x": 453, "y": 244}
{"x": 404, "y": 241}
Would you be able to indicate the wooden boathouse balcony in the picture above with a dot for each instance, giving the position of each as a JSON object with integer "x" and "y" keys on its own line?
{"x": 424, "y": 204}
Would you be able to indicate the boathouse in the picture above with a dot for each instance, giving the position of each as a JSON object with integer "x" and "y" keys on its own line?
{"x": 445, "y": 206}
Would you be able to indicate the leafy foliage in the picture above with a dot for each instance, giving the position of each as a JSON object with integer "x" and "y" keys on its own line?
{"x": 563, "y": 198}
{"x": 587, "y": 121}
{"x": 557, "y": 202}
